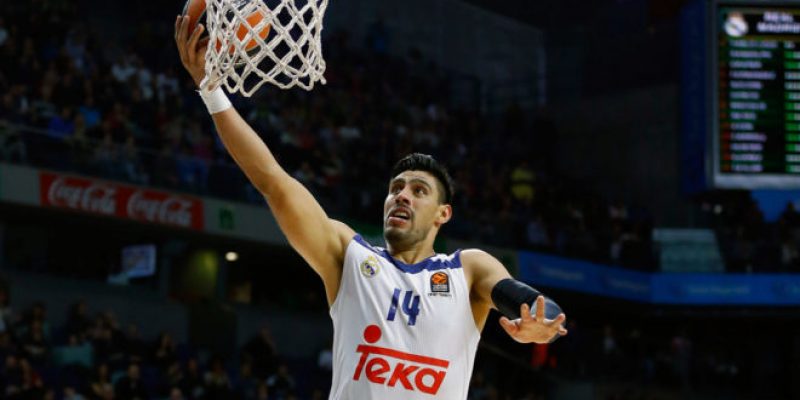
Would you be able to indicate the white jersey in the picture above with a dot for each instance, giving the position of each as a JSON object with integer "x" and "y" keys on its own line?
{"x": 401, "y": 331}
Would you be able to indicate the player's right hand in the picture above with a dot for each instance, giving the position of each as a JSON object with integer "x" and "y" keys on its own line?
{"x": 534, "y": 328}
{"x": 191, "y": 49}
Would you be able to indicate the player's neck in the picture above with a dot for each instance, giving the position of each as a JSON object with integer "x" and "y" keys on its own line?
{"x": 412, "y": 254}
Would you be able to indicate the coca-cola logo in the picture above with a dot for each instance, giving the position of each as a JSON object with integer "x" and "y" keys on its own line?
{"x": 168, "y": 210}
{"x": 392, "y": 368}
{"x": 94, "y": 197}
{"x": 122, "y": 201}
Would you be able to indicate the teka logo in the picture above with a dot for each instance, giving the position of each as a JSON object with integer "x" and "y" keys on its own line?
{"x": 390, "y": 367}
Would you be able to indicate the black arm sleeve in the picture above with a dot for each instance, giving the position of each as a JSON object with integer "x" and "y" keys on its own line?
{"x": 509, "y": 294}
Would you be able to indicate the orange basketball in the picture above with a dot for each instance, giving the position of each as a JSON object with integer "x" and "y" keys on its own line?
{"x": 196, "y": 9}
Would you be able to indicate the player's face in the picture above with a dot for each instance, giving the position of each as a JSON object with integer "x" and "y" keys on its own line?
{"x": 412, "y": 208}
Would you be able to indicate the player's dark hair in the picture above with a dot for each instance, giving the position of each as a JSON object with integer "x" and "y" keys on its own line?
{"x": 424, "y": 162}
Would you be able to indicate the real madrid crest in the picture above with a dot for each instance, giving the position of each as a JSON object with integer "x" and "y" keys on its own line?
{"x": 370, "y": 267}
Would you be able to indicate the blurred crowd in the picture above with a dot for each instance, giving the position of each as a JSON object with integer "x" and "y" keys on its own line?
{"x": 748, "y": 242}
{"x": 94, "y": 356}
{"x": 632, "y": 358}
{"x": 120, "y": 106}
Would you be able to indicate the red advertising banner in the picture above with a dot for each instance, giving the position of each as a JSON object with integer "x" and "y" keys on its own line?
{"x": 118, "y": 200}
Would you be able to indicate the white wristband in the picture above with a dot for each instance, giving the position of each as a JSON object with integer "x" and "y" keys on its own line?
{"x": 216, "y": 100}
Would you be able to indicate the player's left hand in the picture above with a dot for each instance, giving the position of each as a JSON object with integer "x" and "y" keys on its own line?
{"x": 534, "y": 328}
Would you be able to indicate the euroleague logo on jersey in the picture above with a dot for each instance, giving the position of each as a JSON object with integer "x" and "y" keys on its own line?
{"x": 440, "y": 284}
{"x": 370, "y": 267}
{"x": 390, "y": 367}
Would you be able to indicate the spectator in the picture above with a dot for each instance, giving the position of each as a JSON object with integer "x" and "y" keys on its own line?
{"x": 90, "y": 113}
{"x": 75, "y": 49}
{"x": 6, "y": 316}
{"x": 263, "y": 392}
{"x": 131, "y": 163}
{"x": 217, "y": 382}
{"x": 3, "y": 32}
{"x": 176, "y": 394}
{"x": 681, "y": 348}
{"x": 43, "y": 109}
{"x": 134, "y": 346}
{"x": 174, "y": 376}
{"x": 61, "y": 125}
{"x": 537, "y": 236}
{"x": 164, "y": 353}
{"x": 325, "y": 359}
{"x": 522, "y": 180}
{"x": 105, "y": 156}
{"x": 281, "y": 384}
{"x": 32, "y": 386}
{"x": 36, "y": 315}
{"x": 192, "y": 383}
{"x": 790, "y": 255}
{"x": 246, "y": 386}
{"x": 78, "y": 322}
{"x": 71, "y": 394}
{"x": 572, "y": 351}
{"x": 617, "y": 241}
{"x": 618, "y": 212}
{"x": 610, "y": 352}
{"x": 123, "y": 70}
{"x": 12, "y": 376}
{"x": 166, "y": 84}
{"x": 7, "y": 347}
{"x": 166, "y": 166}
{"x": 378, "y": 38}
{"x": 80, "y": 147}
{"x": 477, "y": 386}
{"x": 101, "y": 338}
{"x": 130, "y": 386}
{"x": 261, "y": 349}
{"x": 190, "y": 171}
{"x": 12, "y": 147}
{"x": 325, "y": 368}
{"x": 36, "y": 348}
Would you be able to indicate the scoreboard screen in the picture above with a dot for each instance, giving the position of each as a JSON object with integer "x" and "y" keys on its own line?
{"x": 756, "y": 94}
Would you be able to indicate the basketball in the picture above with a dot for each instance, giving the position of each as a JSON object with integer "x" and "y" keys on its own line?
{"x": 196, "y": 9}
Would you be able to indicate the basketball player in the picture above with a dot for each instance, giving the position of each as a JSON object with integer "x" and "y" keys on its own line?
{"x": 406, "y": 320}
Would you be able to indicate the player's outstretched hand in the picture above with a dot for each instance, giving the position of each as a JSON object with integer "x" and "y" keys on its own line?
{"x": 191, "y": 48}
{"x": 534, "y": 328}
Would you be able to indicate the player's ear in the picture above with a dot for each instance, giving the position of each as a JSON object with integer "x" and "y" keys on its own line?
{"x": 445, "y": 213}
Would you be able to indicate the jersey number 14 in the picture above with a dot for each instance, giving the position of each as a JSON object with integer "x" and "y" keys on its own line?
{"x": 410, "y": 306}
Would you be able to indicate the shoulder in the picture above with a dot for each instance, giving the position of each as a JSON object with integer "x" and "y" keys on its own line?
{"x": 478, "y": 259}
{"x": 483, "y": 271}
{"x": 479, "y": 264}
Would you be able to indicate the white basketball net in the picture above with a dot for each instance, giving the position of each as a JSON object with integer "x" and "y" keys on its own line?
{"x": 290, "y": 55}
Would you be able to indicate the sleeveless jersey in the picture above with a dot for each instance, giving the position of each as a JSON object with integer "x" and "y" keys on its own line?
{"x": 401, "y": 331}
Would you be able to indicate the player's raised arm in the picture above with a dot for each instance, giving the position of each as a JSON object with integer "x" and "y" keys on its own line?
{"x": 493, "y": 287}
{"x": 319, "y": 240}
